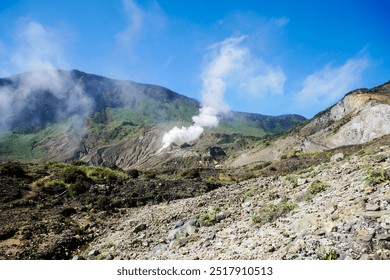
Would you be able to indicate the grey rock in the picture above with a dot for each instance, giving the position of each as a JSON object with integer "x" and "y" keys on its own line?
{"x": 221, "y": 216}
{"x": 140, "y": 228}
{"x": 159, "y": 249}
{"x": 372, "y": 207}
{"x": 337, "y": 157}
{"x": 211, "y": 236}
{"x": 93, "y": 253}
{"x": 301, "y": 181}
{"x": 183, "y": 229}
{"x": 383, "y": 237}
{"x": 78, "y": 258}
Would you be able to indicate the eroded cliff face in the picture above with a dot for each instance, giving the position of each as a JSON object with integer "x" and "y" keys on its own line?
{"x": 359, "y": 117}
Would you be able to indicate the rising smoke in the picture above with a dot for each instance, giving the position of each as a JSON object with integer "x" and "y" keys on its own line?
{"x": 40, "y": 51}
{"x": 226, "y": 58}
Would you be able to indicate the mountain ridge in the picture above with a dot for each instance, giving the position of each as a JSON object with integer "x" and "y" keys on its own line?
{"x": 88, "y": 106}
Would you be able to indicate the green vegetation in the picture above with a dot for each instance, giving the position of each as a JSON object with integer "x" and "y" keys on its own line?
{"x": 317, "y": 187}
{"x": 133, "y": 173}
{"x": 331, "y": 255}
{"x": 271, "y": 212}
{"x": 252, "y": 192}
{"x": 314, "y": 188}
{"x": 76, "y": 179}
{"x": 338, "y": 124}
{"x": 149, "y": 174}
{"x": 30, "y": 147}
{"x": 376, "y": 176}
{"x": 190, "y": 173}
{"x": 207, "y": 218}
{"x": 12, "y": 169}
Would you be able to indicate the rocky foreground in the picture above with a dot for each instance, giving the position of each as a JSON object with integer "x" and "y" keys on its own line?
{"x": 338, "y": 209}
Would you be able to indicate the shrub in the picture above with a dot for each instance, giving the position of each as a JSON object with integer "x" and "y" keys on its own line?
{"x": 317, "y": 187}
{"x": 251, "y": 192}
{"x": 55, "y": 164}
{"x": 73, "y": 174}
{"x": 103, "y": 203}
{"x": 99, "y": 173}
{"x": 149, "y": 174}
{"x": 271, "y": 212}
{"x": 206, "y": 218}
{"x": 331, "y": 255}
{"x": 77, "y": 188}
{"x": 79, "y": 163}
{"x": 225, "y": 178}
{"x": 376, "y": 176}
{"x": 190, "y": 173}
{"x": 133, "y": 173}
{"x": 53, "y": 187}
{"x": 12, "y": 169}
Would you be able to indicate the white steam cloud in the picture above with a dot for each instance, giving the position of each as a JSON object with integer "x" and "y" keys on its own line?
{"x": 230, "y": 65}
{"x": 40, "y": 49}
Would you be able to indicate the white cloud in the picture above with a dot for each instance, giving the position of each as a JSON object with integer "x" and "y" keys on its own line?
{"x": 235, "y": 66}
{"x": 282, "y": 21}
{"x": 135, "y": 19}
{"x": 38, "y": 47}
{"x": 329, "y": 84}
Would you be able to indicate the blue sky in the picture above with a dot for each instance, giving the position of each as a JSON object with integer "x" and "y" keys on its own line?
{"x": 290, "y": 56}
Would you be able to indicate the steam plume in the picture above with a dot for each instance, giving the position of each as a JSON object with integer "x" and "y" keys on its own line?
{"x": 226, "y": 57}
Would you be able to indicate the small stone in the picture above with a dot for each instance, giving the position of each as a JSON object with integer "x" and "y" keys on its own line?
{"x": 93, "y": 253}
{"x": 372, "y": 207}
{"x": 221, "y": 216}
{"x": 78, "y": 258}
{"x": 301, "y": 181}
{"x": 139, "y": 228}
{"x": 383, "y": 237}
{"x": 211, "y": 236}
{"x": 179, "y": 223}
{"x": 337, "y": 157}
{"x": 246, "y": 204}
{"x": 365, "y": 235}
{"x": 365, "y": 257}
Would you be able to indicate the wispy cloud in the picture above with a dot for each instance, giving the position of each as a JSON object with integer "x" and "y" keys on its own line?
{"x": 39, "y": 50}
{"x": 329, "y": 84}
{"x": 282, "y": 21}
{"x": 248, "y": 74}
{"x": 135, "y": 18}
{"x": 38, "y": 47}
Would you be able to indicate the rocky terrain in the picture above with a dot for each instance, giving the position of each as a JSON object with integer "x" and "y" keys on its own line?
{"x": 338, "y": 209}
{"x": 361, "y": 116}
{"x": 246, "y": 190}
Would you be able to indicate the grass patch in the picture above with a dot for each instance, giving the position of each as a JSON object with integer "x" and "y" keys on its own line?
{"x": 314, "y": 188}
{"x": 376, "y": 176}
{"x": 207, "y": 218}
{"x": 317, "y": 187}
{"x": 331, "y": 255}
{"x": 190, "y": 173}
{"x": 271, "y": 212}
{"x": 251, "y": 192}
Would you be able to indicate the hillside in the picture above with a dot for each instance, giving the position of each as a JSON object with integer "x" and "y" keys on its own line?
{"x": 361, "y": 116}
{"x": 68, "y": 115}
{"x": 319, "y": 191}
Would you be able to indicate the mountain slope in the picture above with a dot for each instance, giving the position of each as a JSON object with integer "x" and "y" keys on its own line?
{"x": 361, "y": 116}
{"x": 66, "y": 115}
{"x": 337, "y": 209}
